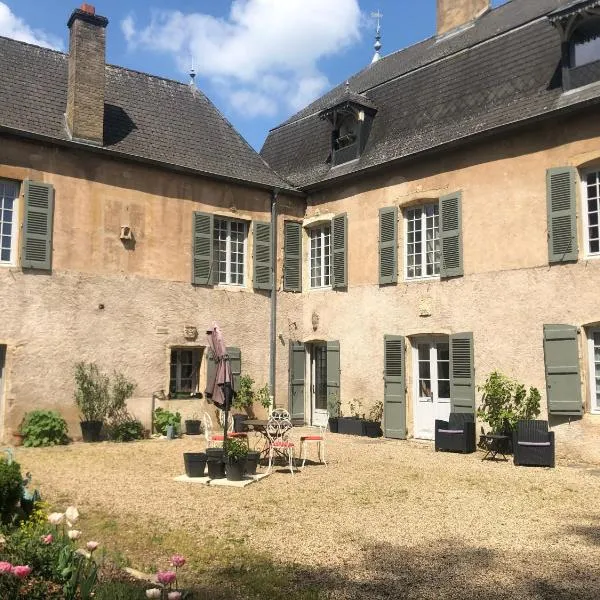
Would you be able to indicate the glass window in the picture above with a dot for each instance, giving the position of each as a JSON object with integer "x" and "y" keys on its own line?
{"x": 9, "y": 193}
{"x": 184, "y": 372}
{"x": 229, "y": 251}
{"x": 596, "y": 372}
{"x": 592, "y": 191}
{"x": 320, "y": 256}
{"x": 422, "y": 242}
{"x": 585, "y": 43}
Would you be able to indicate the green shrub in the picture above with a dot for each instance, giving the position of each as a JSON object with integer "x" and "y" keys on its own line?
{"x": 44, "y": 428}
{"x": 123, "y": 427}
{"x": 506, "y": 401}
{"x": 163, "y": 418}
{"x": 245, "y": 396}
{"x": 11, "y": 490}
{"x": 119, "y": 590}
{"x": 92, "y": 395}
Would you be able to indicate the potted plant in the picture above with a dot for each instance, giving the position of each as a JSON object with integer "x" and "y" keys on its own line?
{"x": 193, "y": 426}
{"x": 504, "y": 402}
{"x": 352, "y": 425}
{"x": 334, "y": 411}
{"x": 242, "y": 400}
{"x": 372, "y": 425}
{"x": 166, "y": 422}
{"x": 92, "y": 398}
{"x": 235, "y": 454}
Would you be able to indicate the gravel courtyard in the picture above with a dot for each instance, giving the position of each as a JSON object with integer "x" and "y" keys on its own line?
{"x": 385, "y": 519}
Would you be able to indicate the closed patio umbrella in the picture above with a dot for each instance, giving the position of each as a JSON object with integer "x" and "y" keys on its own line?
{"x": 219, "y": 389}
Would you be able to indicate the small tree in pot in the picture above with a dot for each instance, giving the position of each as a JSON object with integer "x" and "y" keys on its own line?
{"x": 334, "y": 411}
{"x": 236, "y": 451}
{"x": 92, "y": 398}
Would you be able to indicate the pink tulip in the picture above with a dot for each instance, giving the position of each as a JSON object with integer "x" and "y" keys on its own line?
{"x": 47, "y": 539}
{"x": 174, "y": 595}
{"x": 21, "y": 571}
{"x": 177, "y": 560}
{"x": 91, "y": 546}
{"x": 166, "y": 577}
{"x": 5, "y": 567}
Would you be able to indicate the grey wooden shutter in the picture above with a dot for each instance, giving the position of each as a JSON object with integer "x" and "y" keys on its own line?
{"x": 211, "y": 367}
{"x": 333, "y": 370}
{"x": 388, "y": 245}
{"x": 36, "y": 245}
{"x": 292, "y": 257}
{"x": 339, "y": 235}
{"x": 562, "y": 215}
{"x": 561, "y": 360}
{"x": 462, "y": 373}
{"x": 394, "y": 397}
{"x": 202, "y": 249}
{"x": 263, "y": 279}
{"x": 296, "y": 376}
{"x": 451, "y": 259}
{"x": 235, "y": 362}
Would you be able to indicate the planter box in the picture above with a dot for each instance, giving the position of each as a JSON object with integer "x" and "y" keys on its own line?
{"x": 352, "y": 426}
{"x": 333, "y": 424}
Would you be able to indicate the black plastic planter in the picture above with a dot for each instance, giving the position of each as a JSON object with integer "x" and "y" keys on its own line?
{"x": 195, "y": 463}
{"x": 236, "y": 469}
{"x": 192, "y": 427}
{"x": 90, "y": 430}
{"x": 351, "y": 426}
{"x": 333, "y": 424}
{"x": 238, "y": 423}
{"x": 214, "y": 461}
{"x": 372, "y": 429}
{"x": 252, "y": 462}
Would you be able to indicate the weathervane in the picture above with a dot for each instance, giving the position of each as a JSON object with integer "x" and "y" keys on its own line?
{"x": 192, "y": 73}
{"x": 378, "y": 45}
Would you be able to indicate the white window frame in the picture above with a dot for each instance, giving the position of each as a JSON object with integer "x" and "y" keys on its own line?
{"x": 405, "y": 212}
{"x": 585, "y": 213}
{"x": 594, "y": 404}
{"x": 14, "y": 241}
{"x": 228, "y": 253}
{"x": 313, "y": 228}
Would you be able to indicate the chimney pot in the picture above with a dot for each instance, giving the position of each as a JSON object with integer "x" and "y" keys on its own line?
{"x": 88, "y": 8}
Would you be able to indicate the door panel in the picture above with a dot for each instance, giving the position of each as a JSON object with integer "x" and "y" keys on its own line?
{"x": 297, "y": 367}
{"x": 394, "y": 417}
{"x": 319, "y": 369}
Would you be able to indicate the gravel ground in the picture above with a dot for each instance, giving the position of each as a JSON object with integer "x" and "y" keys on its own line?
{"x": 385, "y": 519}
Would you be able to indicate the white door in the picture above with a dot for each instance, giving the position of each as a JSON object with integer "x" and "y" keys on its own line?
{"x": 432, "y": 385}
{"x": 594, "y": 354}
{"x": 318, "y": 389}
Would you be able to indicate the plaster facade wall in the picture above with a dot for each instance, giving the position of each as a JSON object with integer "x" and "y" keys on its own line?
{"x": 121, "y": 306}
{"x": 508, "y": 291}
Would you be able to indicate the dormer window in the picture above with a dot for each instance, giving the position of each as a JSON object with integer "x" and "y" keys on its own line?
{"x": 579, "y": 28}
{"x": 351, "y": 117}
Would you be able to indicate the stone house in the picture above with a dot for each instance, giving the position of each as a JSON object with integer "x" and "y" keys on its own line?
{"x": 437, "y": 218}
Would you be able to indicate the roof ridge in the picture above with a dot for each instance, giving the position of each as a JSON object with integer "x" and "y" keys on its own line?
{"x": 45, "y": 48}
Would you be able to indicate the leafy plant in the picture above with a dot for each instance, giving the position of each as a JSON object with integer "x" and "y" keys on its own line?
{"x": 355, "y": 408}
{"x": 11, "y": 490}
{"x": 121, "y": 390}
{"x": 506, "y": 401}
{"x": 236, "y": 449}
{"x": 120, "y": 590}
{"x": 44, "y": 428}
{"x": 334, "y": 405}
{"x": 163, "y": 418}
{"x": 92, "y": 394}
{"x": 376, "y": 413}
{"x": 244, "y": 396}
{"x": 124, "y": 427}
{"x": 263, "y": 396}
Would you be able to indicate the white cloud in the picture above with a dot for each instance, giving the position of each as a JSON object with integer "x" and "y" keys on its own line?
{"x": 13, "y": 27}
{"x": 264, "y": 57}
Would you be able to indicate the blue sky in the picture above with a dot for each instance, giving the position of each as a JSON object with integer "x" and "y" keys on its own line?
{"x": 258, "y": 60}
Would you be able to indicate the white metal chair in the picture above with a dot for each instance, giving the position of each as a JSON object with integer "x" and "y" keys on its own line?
{"x": 212, "y": 439}
{"x": 280, "y": 414}
{"x": 319, "y": 439}
{"x": 278, "y": 431}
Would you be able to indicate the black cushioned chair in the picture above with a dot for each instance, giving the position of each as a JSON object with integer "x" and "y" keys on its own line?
{"x": 533, "y": 444}
{"x": 457, "y": 434}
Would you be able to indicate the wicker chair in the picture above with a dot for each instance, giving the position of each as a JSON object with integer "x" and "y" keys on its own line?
{"x": 457, "y": 434}
{"x": 533, "y": 444}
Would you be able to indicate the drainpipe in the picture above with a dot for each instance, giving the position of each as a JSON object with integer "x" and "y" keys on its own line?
{"x": 273, "y": 349}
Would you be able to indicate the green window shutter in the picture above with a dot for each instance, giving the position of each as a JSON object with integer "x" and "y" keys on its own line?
{"x": 394, "y": 396}
{"x": 333, "y": 369}
{"x": 388, "y": 245}
{"x": 36, "y": 248}
{"x": 296, "y": 375}
{"x": 292, "y": 257}
{"x": 451, "y": 264}
{"x": 235, "y": 362}
{"x": 263, "y": 279}
{"x": 339, "y": 235}
{"x": 562, "y": 215}
{"x": 203, "y": 249}
{"x": 211, "y": 366}
{"x": 561, "y": 360}
{"x": 462, "y": 373}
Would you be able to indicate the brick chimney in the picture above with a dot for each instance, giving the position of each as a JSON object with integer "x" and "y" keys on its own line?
{"x": 87, "y": 56}
{"x": 452, "y": 14}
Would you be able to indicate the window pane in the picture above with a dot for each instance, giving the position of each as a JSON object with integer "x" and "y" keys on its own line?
{"x": 320, "y": 256}
{"x": 592, "y": 198}
{"x": 422, "y": 241}
{"x": 443, "y": 389}
{"x": 8, "y": 194}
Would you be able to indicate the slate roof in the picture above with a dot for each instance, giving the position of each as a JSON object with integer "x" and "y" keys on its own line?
{"x": 501, "y": 71}
{"x": 146, "y": 117}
